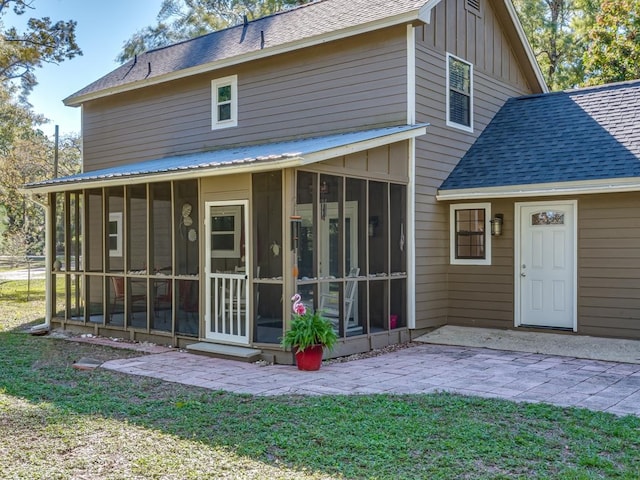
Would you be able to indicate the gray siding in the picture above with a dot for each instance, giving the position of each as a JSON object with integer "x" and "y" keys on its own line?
{"x": 609, "y": 265}
{"x": 340, "y": 86}
{"x": 608, "y": 271}
{"x": 497, "y": 76}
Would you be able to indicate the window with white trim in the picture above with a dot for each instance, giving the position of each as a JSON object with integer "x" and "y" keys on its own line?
{"x": 470, "y": 237}
{"x": 459, "y": 93}
{"x": 224, "y": 102}
{"x": 115, "y": 234}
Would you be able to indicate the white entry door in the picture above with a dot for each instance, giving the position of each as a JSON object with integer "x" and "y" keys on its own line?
{"x": 227, "y": 267}
{"x": 545, "y": 267}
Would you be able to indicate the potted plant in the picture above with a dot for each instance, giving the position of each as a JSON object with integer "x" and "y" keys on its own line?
{"x": 309, "y": 334}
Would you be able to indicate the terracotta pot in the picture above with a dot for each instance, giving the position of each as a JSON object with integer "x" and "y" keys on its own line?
{"x": 310, "y": 358}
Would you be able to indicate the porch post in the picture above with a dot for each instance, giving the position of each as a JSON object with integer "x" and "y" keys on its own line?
{"x": 48, "y": 260}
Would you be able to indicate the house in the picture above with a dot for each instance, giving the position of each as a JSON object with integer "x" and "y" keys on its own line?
{"x": 563, "y": 172}
{"x": 297, "y": 153}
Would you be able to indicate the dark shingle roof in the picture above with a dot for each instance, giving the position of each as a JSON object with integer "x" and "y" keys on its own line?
{"x": 575, "y": 135}
{"x": 315, "y": 19}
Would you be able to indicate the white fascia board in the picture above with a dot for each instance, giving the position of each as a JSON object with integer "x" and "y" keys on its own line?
{"x": 408, "y": 17}
{"x": 588, "y": 187}
{"x": 527, "y": 46}
{"x": 424, "y": 14}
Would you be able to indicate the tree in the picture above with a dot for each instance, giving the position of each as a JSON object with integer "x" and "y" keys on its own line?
{"x": 43, "y": 41}
{"x": 555, "y": 30}
{"x": 614, "y": 51}
{"x": 30, "y": 159}
{"x": 184, "y": 19}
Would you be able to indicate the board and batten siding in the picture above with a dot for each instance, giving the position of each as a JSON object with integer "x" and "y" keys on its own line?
{"x": 497, "y": 77}
{"x": 348, "y": 85}
{"x": 482, "y": 295}
{"x": 609, "y": 265}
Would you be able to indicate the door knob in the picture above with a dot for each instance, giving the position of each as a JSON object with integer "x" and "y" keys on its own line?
{"x": 522, "y": 274}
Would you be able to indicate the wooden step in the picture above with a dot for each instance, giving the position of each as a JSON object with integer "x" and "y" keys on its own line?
{"x": 230, "y": 352}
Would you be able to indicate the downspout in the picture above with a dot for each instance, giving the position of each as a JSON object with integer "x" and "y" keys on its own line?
{"x": 45, "y": 327}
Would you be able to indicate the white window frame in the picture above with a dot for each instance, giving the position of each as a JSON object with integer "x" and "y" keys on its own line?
{"x": 231, "y": 81}
{"x": 466, "y": 128}
{"x": 487, "y": 233}
{"x": 117, "y": 218}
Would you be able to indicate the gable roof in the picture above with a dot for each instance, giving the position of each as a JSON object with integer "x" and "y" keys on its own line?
{"x": 576, "y": 141}
{"x": 311, "y": 24}
{"x": 252, "y": 158}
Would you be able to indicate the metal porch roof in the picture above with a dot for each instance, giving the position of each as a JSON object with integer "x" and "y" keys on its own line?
{"x": 237, "y": 159}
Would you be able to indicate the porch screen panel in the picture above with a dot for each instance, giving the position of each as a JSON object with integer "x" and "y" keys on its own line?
{"x": 268, "y": 255}
{"x": 356, "y": 246}
{"x": 114, "y": 236}
{"x": 95, "y": 301}
{"x": 187, "y": 302}
{"x": 187, "y": 230}
{"x": 137, "y": 230}
{"x": 161, "y": 238}
{"x": 378, "y": 310}
{"x": 307, "y": 195}
{"x": 378, "y": 229}
{"x": 268, "y": 326}
{"x": 398, "y": 229}
{"x": 94, "y": 231}
{"x": 74, "y": 233}
{"x": 331, "y": 225}
{"x": 267, "y": 225}
{"x": 137, "y": 303}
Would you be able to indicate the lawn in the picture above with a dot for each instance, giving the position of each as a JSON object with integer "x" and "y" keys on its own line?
{"x": 59, "y": 423}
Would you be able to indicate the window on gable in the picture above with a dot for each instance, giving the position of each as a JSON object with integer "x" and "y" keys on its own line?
{"x": 224, "y": 92}
{"x": 459, "y": 93}
{"x": 471, "y": 234}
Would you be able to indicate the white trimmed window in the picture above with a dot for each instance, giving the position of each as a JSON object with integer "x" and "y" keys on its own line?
{"x": 470, "y": 238}
{"x": 459, "y": 93}
{"x": 224, "y": 102}
{"x": 115, "y": 234}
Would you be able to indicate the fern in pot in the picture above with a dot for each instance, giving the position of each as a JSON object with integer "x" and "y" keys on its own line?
{"x": 309, "y": 335}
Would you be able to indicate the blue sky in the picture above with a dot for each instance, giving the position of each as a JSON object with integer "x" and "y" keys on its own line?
{"x": 103, "y": 27}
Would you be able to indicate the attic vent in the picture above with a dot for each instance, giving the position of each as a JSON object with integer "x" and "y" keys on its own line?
{"x": 473, "y": 6}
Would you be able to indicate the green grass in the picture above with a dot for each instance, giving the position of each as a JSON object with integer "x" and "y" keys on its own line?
{"x": 58, "y": 422}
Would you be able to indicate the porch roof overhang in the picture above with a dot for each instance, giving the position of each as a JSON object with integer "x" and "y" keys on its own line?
{"x": 584, "y": 187}
{"x": 230, "y": 160}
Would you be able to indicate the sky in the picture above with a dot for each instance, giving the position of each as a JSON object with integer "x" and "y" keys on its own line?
{"x": 103, "y": 27}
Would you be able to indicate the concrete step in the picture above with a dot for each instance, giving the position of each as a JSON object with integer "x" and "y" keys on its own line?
{"x": 230, "y": 352}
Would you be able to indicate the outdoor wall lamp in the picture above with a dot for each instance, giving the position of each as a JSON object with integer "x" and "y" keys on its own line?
{"x": 496, "y": 224}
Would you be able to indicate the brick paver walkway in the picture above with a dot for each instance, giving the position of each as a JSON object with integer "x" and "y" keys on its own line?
{"x": 565, "y": 381}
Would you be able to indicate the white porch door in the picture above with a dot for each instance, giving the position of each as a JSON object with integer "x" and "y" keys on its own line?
{"x": 227, "y": 269}
{"x": 546, "y": 265}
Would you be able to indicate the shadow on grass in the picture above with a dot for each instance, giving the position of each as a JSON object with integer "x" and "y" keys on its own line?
{"x": 381, "y": 436}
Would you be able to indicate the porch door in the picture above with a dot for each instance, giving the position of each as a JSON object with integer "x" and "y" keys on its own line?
{"x": 227, "y": 267}
{"x": 546, "y": 265}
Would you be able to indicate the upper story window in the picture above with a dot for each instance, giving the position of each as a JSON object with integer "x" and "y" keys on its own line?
{"x": 224, "y": 93}
{"x": 459, "y": 93}
{"x": 471, "y": 234}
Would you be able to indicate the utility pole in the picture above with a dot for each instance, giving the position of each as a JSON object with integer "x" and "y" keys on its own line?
{"x": 55, "y": 154}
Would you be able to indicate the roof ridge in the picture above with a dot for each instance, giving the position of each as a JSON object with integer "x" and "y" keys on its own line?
{"x": 231, "y": 27}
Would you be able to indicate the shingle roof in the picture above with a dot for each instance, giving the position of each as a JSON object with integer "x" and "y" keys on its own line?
{"x": 302, "y": 152}
{"x": 575, "y": 135}
{"x": 311, "y": 20}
